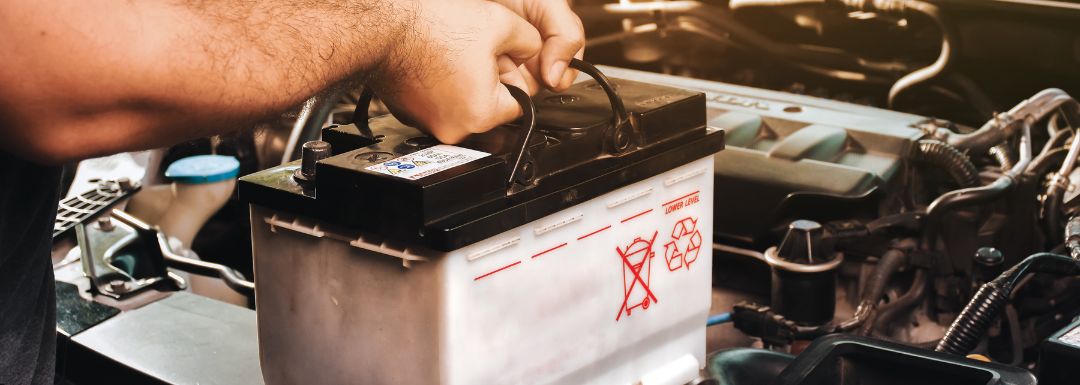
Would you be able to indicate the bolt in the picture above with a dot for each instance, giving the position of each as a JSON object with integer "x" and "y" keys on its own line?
{"x": 105, "y": 224}
{"x": 989, "y": 256}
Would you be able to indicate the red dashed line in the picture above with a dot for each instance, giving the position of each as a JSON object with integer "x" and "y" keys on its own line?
{"x": 681, "y": 198}
{"x": 636, "y": 215}
{"x": 594, "y": 232}
{"x": 549, "y": 250}
{"x": 497, "y": 270}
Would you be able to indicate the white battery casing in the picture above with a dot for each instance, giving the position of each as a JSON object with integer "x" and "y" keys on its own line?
{"x": 613, "y": 290}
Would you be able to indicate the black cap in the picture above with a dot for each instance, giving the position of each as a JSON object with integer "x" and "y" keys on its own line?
{"x": 803, "y": 244}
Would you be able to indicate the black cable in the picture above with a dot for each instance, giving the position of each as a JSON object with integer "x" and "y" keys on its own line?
{"x": 984, "y": 307}
{"x": 889, "y": 263}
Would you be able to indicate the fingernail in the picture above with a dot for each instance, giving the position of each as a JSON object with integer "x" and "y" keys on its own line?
{"x": 556, "y": 74}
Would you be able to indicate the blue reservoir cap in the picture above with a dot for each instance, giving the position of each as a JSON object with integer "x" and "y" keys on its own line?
{"x": 203, "y": 169}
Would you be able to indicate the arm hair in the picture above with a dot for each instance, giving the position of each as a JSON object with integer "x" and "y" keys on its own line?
{"x": 86, "y": 78}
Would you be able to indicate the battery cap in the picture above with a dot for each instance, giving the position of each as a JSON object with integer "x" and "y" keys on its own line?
{"x": 203, "y": 169}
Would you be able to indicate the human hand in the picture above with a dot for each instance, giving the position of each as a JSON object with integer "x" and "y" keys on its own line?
{"x": 444, "y": 75}
{"x": 563, "y": 35}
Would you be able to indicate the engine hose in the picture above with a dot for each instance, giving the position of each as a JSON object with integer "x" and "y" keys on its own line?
{"x": 891, "y": 261}
{"x": 957, "y": 164}
{"x": 972, "y": 195}
{"x": 888, "y": 312}
{"x": 948, "y": 47}
{"x": 1002, "y": 126}
{"x": 1052, "y": 210}
{"x": 1055, "y": 192}
{"x": 1015, "y": 335}
{"x": 1001, "y": 154}
{"x": 1057, "y": 139}
{"x": 973, "y": 322}
{"x": 1042, "y": 163}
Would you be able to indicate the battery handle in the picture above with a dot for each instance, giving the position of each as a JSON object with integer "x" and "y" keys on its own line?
{"x": 619, "y": 137}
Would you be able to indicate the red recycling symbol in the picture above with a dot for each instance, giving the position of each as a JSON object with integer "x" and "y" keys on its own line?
{"x": 684, "y": 246}
{"x": 636, "y": 259}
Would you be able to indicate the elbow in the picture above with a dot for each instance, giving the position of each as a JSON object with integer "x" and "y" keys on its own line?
{"x": 44, "y": 150}
{"x": 61, "y": 143}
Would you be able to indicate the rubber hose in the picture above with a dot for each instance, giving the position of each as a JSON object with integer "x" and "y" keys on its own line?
{"x": 890, "y": 262}
{"x": 948, "y": 157}
{"x": 1015, "y": 335}
{"x": 888, "y": 312}
{"x": 973, "y": 322}
{"x": 1042, "y": 163}
{"x": 1052, "y": 213}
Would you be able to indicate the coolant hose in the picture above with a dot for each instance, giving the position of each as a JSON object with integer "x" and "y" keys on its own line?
{"x": 957, "y": 164}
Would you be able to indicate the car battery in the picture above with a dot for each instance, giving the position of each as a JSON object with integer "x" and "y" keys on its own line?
{"x": 1058, "y": 356}
{"x": 571, "y": 247}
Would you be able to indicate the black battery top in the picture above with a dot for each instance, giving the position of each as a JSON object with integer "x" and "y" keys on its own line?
{"x": 393, "y": 180}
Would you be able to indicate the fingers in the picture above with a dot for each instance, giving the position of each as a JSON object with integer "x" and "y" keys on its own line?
{"x": 520, "y": 40}
{"x": 480, "y": 45}
{"x": 520, "y": 77}
{"x": 562, "y": 33}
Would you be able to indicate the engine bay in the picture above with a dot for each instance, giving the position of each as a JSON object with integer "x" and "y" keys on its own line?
{"x": 893, "y": 200}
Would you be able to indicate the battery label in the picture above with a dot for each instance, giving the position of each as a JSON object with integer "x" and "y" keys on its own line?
{"x": 427, "y": 162}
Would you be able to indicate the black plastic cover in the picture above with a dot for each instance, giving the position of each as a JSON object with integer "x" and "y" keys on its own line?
{"x": 848, "y": 360}
{"x": 569, "y": 158}
{"x": 785, "y": 169}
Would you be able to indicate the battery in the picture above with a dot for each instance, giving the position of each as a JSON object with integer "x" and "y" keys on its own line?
{"x": 406, "y": 261}
{"x": 1058, "y": 356}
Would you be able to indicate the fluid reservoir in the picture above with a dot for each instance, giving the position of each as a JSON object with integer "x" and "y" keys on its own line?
{"x": 804, "y": 275}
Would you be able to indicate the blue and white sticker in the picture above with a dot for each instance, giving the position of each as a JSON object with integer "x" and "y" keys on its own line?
{"x": 428, "y": 161}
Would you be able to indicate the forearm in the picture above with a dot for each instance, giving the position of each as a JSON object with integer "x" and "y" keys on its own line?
{"x": 107, "y": 76}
